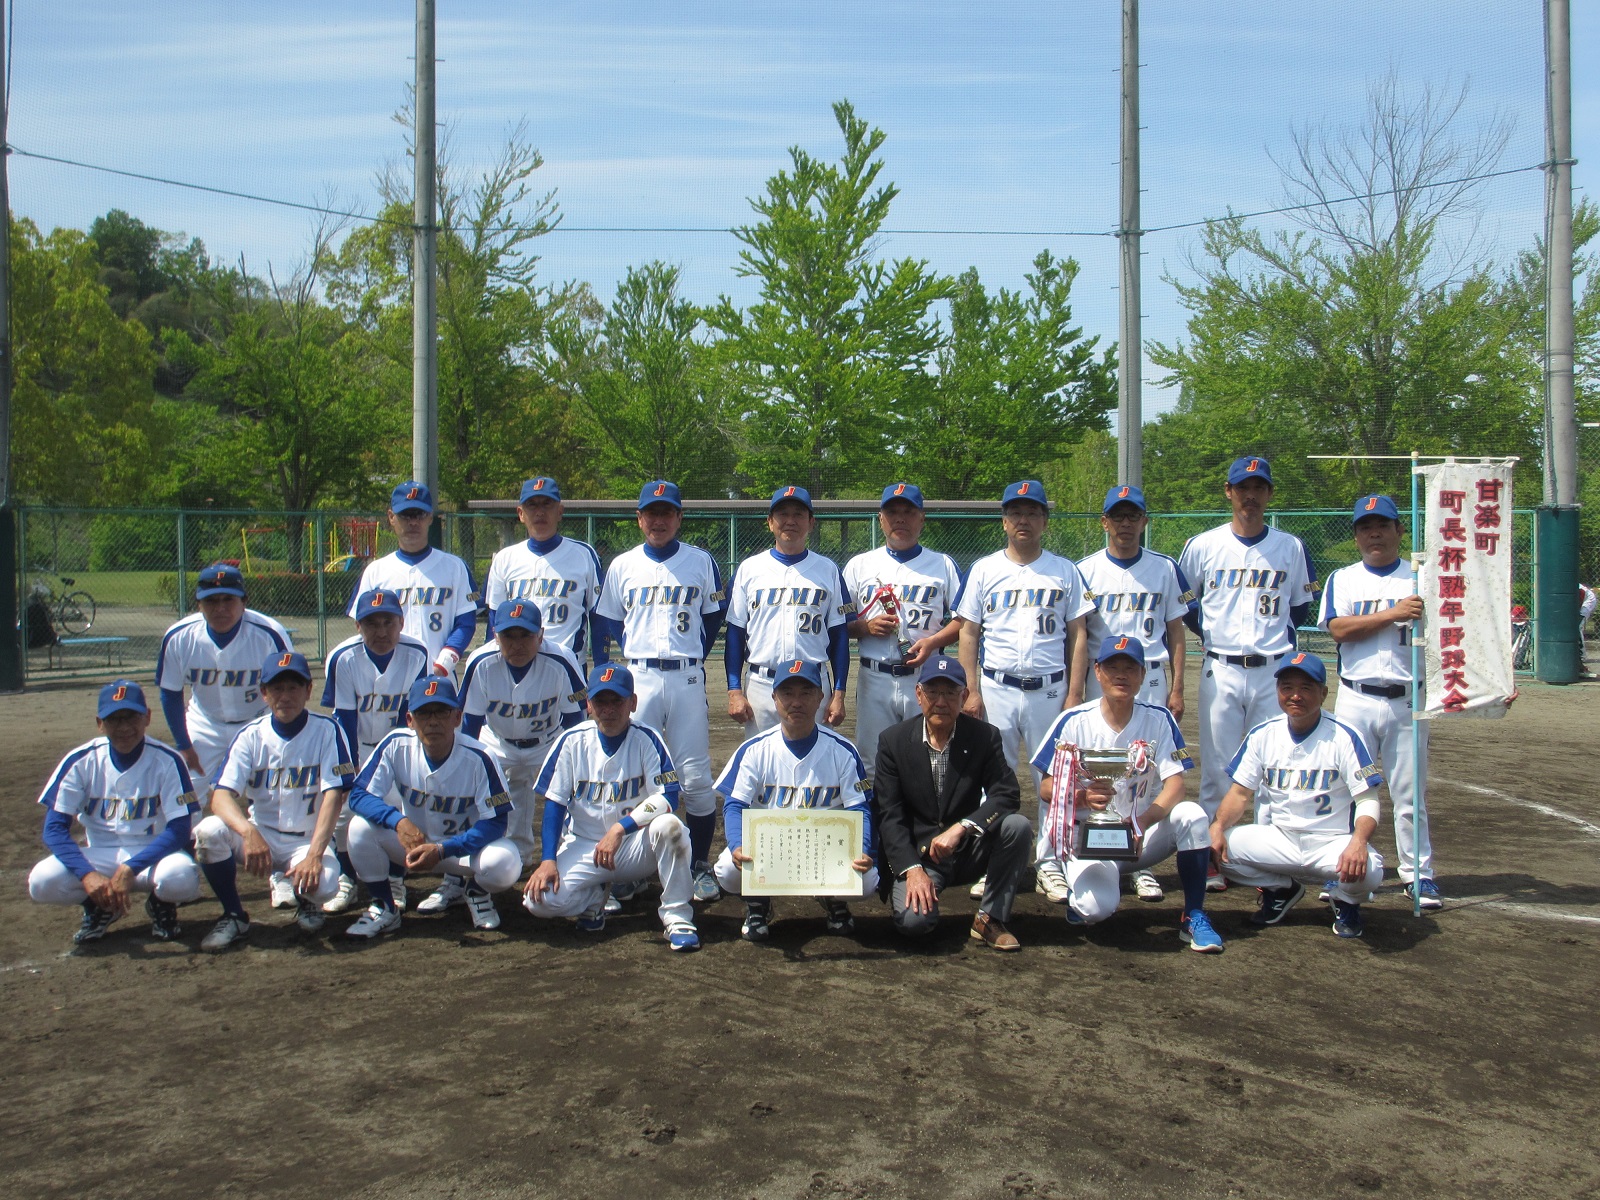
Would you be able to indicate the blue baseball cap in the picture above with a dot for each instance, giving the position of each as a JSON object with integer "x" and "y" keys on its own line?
{"x": 1124, "y": 493}
{"x": 660, "y": 491}
{"x": 433, "y": 689}
{"x": 379, "y": 600}
{"x": 1024, "y": 489}
{"x": 1250, "y": 468}
{"x": 285, "y": 662}
{"x": 909, "y": 492}
{"x": 1374, "y": 506}
{"x": 791, "y": 493}
{"x": 518, "y": 614}
{"x": 610, "y": 677}
{"x": 121, "y": 695}
{"x": 1120, "y": 647}
{"x": 798, "y": 669}
{"x": 411, "y": 496}
{"x": 219, "y": 579}
{"x": 1306, "y": 663}
{"x": 540, "y": 485}
{"x": 941, "y": 667}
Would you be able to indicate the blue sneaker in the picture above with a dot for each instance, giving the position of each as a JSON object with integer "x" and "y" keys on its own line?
{"x": 683, "y": 940}
{"x": 1347, "y": 922}
{"x": 1073, "y": 918}
{"x": 1195, "y": 928}
{"x": 591, "y": 922}
{"x": 1432, "y": 897}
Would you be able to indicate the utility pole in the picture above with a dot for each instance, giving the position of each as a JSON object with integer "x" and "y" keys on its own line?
{"x": 1130, "y": 355}
{"x": 11, "y": 577}
{"x": 424, "y": 315}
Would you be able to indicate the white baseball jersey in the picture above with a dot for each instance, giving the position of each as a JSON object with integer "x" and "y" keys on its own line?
{"x": 281, "y": 773}
{"x": 598, "y": 788}
{"x": 1023, "y": 609}
{"x": 662, "y": 602}
{"x": 1358, "y": 591}
{"x": 1085, "y": 726}
{"x": 375, "y": 694}
{"x": 924, "y": 581}
{"x": 786, "y": 610}
{"x": 1135, "y": 597}
{"x": 767, "y": 772}
{"x": 563, "y": 580}
{"x": 443, "y": 801}
{"x": 434, "y": 587}
{"x": 120, "y": 808}
{"x": 1309, "y": 784}
{"x": 516, "y": 705}
{"x": 1248, "y": 589}
{"x": 224, "y": 679}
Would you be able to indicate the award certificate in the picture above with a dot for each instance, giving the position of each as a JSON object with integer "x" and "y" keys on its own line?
{"x": 801, "y": 852}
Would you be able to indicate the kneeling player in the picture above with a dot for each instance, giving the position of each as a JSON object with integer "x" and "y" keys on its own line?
{"x": 430, "y": 797}
{"x": 610, "y": 816}
{"x": 292, "y": 768}
{"x": 1167, "y": 824}
{"x": 797, "y": 763}
{"x": 133, "y": 797}
{"x": 1307, "y": 769}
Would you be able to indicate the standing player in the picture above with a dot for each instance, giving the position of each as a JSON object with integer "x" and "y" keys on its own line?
{"x": 133, "y": 798}
{"x": 1369, "y": 608}
{"x": 784, "y": 604}
{"x": 795, "y": 764}
{"x": 925, "y": 584}
{"x": 434, "y": 587}
{"x": 610, "y": 816}
{"x": 290, "y": 769}
{"x": 559, "y": 574}
{"x": 1254, "y": 585}
{"x": 430, "y": 797}
{"x": 664, "y": 602}
{"x": 1305, "y": 769}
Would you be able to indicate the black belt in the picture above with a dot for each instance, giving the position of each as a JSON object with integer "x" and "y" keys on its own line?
{"x": 665, "y": 664}
{"x": 1244, "y": 660}
{"x": 899, "y": 670}
{"x": 1389, "y": 691}
{"x": 523, "y": 743}
{"x": 764, "y": 672}
{"x": 1027, "y": 683}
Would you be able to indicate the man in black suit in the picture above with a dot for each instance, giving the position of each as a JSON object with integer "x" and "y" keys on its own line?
{"x": 947, "y": 810}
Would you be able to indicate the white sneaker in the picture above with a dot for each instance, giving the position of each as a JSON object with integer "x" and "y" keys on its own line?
{"x": 1053, "y": 885}
{"x": 282, "y": 891}
{"x": 373, "y": 924}
{"x": 346, "y": 897}
{"x": 484, "y": 913}
{"x": 1146, "y": 887}
{"x": 976, "y": 890}
{"x": 452, "y": 890}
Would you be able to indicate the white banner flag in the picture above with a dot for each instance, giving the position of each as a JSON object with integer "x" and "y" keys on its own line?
{"x": 1466, "y": 588}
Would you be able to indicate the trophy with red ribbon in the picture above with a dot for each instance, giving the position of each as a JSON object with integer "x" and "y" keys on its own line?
{"x": 883, "y": 597}
{"x": 1105, "y": 833}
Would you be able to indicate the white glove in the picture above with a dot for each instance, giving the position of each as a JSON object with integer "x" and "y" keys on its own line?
{"x": 445, "y": 664}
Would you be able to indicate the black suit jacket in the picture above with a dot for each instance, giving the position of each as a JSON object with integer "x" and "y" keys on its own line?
{"x": 979, "y": 785}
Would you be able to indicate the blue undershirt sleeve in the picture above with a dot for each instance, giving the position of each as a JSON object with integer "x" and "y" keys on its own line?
{"x": 474, "y": 839}
{"x": 472, "y": 724}
{"x": 839, "y": 654}
{"x": 733, "y": 652}
{"x": 1300, "y": 613}
{"x": 461, "y": 633}
{"x": 555, "y": 817}
{"x": 606, "y": 629}
{"x": 348, "y": 722}
{"x": 171, "y": 840}
{"x": 177, "y": 718}
{"x": 373, "y": 809}
{"x": 58, "y": 840}
{"x": 733, "y": 822}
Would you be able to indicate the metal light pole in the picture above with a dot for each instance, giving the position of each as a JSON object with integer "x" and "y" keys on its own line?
{"x": 11, "y": 652}
{"x": 1130, "y": 355}
{"x": 424, "y": 316}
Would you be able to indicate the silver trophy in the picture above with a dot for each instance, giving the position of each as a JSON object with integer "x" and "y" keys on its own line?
{"x": 1103, "y": 833}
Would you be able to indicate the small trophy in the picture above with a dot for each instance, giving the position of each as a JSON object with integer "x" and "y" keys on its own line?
{"x": 1102, "y": 833}
{"x": 884, "y": 596}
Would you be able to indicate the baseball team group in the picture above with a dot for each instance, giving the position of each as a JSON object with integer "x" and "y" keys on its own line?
{"x": 569, "y": 755}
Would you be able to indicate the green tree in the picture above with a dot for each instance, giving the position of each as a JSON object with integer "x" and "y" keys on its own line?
{"x": 839, "y": 344}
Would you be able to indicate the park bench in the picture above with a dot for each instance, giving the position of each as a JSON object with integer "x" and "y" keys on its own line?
{"x": 113, "y": 646}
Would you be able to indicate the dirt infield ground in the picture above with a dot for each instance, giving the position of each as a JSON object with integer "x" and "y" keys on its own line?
{"x": 1450, "y": 1056}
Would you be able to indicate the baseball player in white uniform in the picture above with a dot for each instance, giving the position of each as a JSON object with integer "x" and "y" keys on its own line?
{"x": 559, "y": 574}
{"x": 434, "y": 586}
{"x": 1152, "y": 796}
{"x": 1254, "y": 585}
{"x": 1305, "y": 770}
{"x": 1369, "y": 607}
{"x": 133, "y": 797}
{"x": 892, "y": 644}
{"x": 784, "y": 604}
{"x": 430, "y": 797}
{"x": 1137, "y": 593}
{"x": 610, "y": 816}
{"x": 664, "y": 602}
{"x": 291, "y": 768}
{"x": 795, "y": 764}
{"x": 217, "y": 654}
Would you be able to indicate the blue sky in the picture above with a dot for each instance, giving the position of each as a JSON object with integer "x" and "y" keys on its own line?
{"x": 999, "y": 117}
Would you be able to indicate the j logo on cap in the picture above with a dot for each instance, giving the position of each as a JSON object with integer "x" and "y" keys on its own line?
{"x": 1372, "y": 503}
{"x": 432, "y": 689}
{"x": 605, "y": 676}
{"x": 1122, "y": 643}
{"x": 795, "y": 670}
{"x": 661, "y": 489}
{"x": 120, "y": 694}
{"x": 899, "y": 489}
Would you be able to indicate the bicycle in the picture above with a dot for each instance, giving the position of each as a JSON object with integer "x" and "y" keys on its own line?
{"x": 72, "y": 612}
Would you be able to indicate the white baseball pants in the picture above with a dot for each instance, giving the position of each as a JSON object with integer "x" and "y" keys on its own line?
{"x": 1023, "y": 718}
{"x": 214, "y": 842}
{"x": 211, "y": 738}
{"x": 1269, "y": 856}
{"x": 175, "y": 878}
{"x": 496, "y": 867}
{"x": 1385, "y": 727}
{"x": 674, "y": 704}
{"x": 1097, "y": 883}
{"x": 519, "y": 769}
{"x": 758, "y": 692}
{"x": 1233, "y": 701}
{"x": 660, "y": 848}
{"x": 882, "y": 700}
{"x": 731, "y": 881}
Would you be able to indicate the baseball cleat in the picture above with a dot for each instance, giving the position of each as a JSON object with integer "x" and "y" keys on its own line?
{"x": 976, "y": 890}
{"x": 163, "y": 918}
{"x": 1074, "y": 918}
{"x": 613, "y": 904}
{"x": 1432, "y": 897}
{"x": 1146, "y": 888}
{"x": 309, "y": 916}
{"x": 1347, "y": 922}
{"x": 706, "y": 888}
{"x": 282, "y": 891}
{"x": 1053, "y": 885}
{"x": 684, "y": 940}
{"x": 757, "y": 925}
{"x": 95, "y": 923}
{"x": 452, "y": 889}
{"x": 373, "y": 924}
{"x": 1195, "y": 929}
{"x": 592, "y": 921}
{"x": 839, "y": 918}
{"x": 227, "y": 932}
{"x": 1276, "y": 903}
{"x": 1215, "y": 880}
{"x": 344, "y": 899}
{"x": 481, "y": 905}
